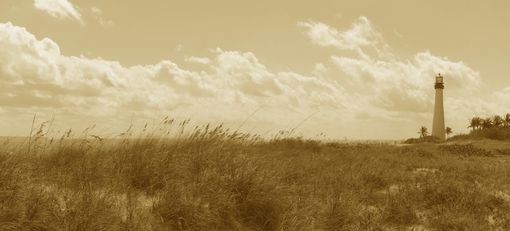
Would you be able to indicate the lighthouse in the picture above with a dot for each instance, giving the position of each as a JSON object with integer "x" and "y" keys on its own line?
{"x": 438, "y": 128}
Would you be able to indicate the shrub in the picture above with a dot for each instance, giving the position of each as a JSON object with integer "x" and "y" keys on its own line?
{"x": 464, "y": 150}
{"x": 340, "y": 215}
{"x": 427, "y": 139}
{"x": 495, "y": 133}
{"x": 400, "y": 211}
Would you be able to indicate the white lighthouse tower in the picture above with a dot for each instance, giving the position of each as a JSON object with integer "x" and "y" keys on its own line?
{"x": 438, "y": 127}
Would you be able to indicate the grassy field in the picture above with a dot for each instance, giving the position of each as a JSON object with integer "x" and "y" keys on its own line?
{"x": 213, "y": 179}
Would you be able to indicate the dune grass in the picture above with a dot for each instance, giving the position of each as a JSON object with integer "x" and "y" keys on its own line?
{"x": 216, "y": 179}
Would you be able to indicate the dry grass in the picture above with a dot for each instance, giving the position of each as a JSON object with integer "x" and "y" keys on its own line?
{"x": 215, "y": 179}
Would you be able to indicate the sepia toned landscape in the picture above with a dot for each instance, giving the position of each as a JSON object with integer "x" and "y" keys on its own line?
{"x": 254, "y": 115}
{"x": 210, "y": 178}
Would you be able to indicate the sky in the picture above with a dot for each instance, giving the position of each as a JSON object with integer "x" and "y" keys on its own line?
{"x": 339, "y": 69}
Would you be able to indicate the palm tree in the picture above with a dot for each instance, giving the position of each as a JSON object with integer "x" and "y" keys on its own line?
{"x": 423, "y": 132}
{"x": 497, "y": 121}
{"x": 448, "y": 131}
{"x": 506, "y": 121}
{"x": 475, "y": 123}
{"x": 487, "y": 123}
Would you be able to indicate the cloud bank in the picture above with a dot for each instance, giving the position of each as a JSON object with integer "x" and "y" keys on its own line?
{"x": 370, "y": 90}
{"x": 36, "y": 76}
{"x": 397, "y": 85}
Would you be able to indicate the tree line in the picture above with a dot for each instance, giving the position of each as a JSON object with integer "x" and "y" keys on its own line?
{"x": 477, "y": 124}
{"x": 496, "y": 121}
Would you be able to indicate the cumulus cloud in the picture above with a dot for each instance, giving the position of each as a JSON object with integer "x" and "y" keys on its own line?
{"x": 361, "y": 37}
{"x": 392, "y": 86}
{"x": 405, "y": 85}
{"x": 369, "y": 91}
{"x": 361, "y": 34}
{"x": 35, "y": 74}
{"x": 386, "y": 80}
{"x": 60, "y": 9}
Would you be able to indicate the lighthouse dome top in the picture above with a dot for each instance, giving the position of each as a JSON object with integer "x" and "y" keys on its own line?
{"x": 439, "y": 82}
{"x": 439, "y": 78}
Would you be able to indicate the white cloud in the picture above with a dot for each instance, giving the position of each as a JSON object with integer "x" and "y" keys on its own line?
{"x": 371, "y": 93}
{"x": 35, "y": 75}
{"x": 405, "y": 85}
{"x": 388, "y": 84}
{"x": 361, "y": 35}
{"x": 98, "y": 16}
{"x": 200, "y": 60}
{"x": 60, "y": 9}
{"x": 387, "y": 81}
